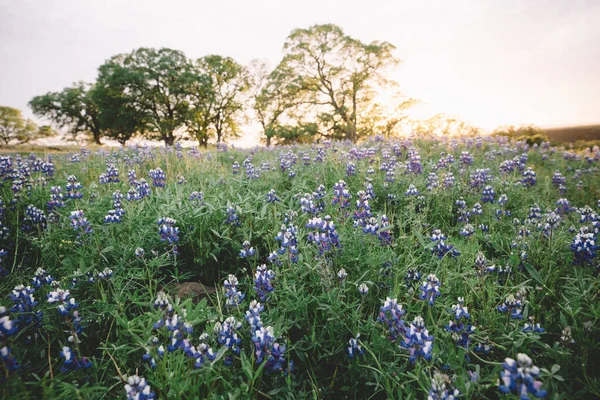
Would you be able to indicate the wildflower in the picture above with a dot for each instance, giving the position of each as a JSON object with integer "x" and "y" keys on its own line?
{"x": 584, "y": 247}
{"x": 73, "y": 186}
{"x": 391, "y": 314}
{"x": 354, "y": 347}
{"x": 342, "y": 275}
{"x": 9, "y": 361}
{"x": 350, "y": 169}
{"x": 263, "y": 284}
{"x": 272, "y": 196}
{"x": 519, "y": 377}
{"x": 481, "y": 264}
{"x": 529, "y": 177}
{"x": 512, "y": 305}
{"x": 80, "y": 224}
{"x": 138, "y": 389}
{"x": 72, "y": 362}
{"x": 418, "y": 341}
{"x": 253, "y": 315}
{"x": 411, "y": 191}
{"x": 139, "y": 252}
{"x": 430, "y": 289}
{"x": 234, "y": 296}
{"x": 232, "y": 218}
{"x": 41, "y": 277}
{"x": 158, "y": 177}
{"x": 197, "y": 196}
{"x": 227, "y": 336}
{"x": 566, "y": 337}
{"x": 326, "y": 237}
{"x": 106, "y": 273}
{"x": 168, "y": 232}
{"x": 442, "y": 249}
{"x": 287, "y": 238}
{"x": 363, "y": 289}
{"x": 247, "y": 250}
{"x": 488, "y": 194}
{"x": 439, "y": 388}
{"x": 265, "y": 348}
{"x": 341, "y": 195}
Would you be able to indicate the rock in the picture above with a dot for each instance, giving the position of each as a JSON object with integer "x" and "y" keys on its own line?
{"x": 195, "y": 290}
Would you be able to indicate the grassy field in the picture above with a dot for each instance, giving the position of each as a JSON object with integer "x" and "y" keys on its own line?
{"x": 400, "y": 269}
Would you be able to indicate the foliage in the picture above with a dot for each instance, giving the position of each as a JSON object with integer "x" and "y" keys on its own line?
{"x": 73, "y": 108}
{"x": 16, "y": 129}
{"x": 419, "y": 267}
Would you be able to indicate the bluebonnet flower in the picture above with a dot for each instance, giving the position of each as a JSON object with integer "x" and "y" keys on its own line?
{"x": 72, "y": 362}
{"x": 430, "y": 289}
{"x": 558, "y": 179}
{"x": 520, "y": 376}
{"x": 432, "y": 181}
{"x": 363, "y": 209}
{"x": 563, "y": 206}
{"x": 529, "y": 177}
{"x": 73, "y": 187}
{"x": 56, "y": 198}
{"x": 232, "y": 217}
{"x": 227, "y": 336}
{"x": 449, "y": 180}
{"x": 326, "y": 237}
{"x": 414, "y": 162}
{"x": 342, "y": 275}
{"x": 481, "y": 264}
{"x": 412, "y": 276}
{"x": 111, "y": 175}
{"x": 391, "y": 314}
{"x": 461, "y": 333}
{"x": 442, "y": 249}
{"x": 34, "y": 219}
{"x": 379, "y": 229}
{"x": 584, "y": 247}
{"x": 287, "y": 238}
{"x": 350, "y": 169}
{"x": 265, "y": 348}
{"x": 274, "y": 259}
{"x": 158, "y": 177}
{"x": 587, "y": 215}
{"x": 9, "y": 361}
{"x": 309, "y": 205}
{"x": 467, "y": 231}
{"x": 513, "y": 306}
{"x": 484, "y": 347}
{"x": 197, "y": 196}
{"x": 354, "y": 347}
{"x": 465, "y": 158}
{"x": 363, "y": 289}
{"x": 532, "y": 326}
{"x": 440, "y": 388}
{"x": 235, "y": 168}
{"x": 463, "y": 212}
{"x": 168, "y": 232}
{"x": 80, "y": 224}
{"x": 41, "y": 277}
{"x": 272, "y": 196}
{"x": 488, "y": 194}
{"x": 480, "y": 177}
{"x": 181, "y": 180}
{"x": 418, "y": 340}
{"x": 138, "y": 389}
{"x": 234, "y": 296}
{"x": 139, "y": 252}
{"x": 263, "y": 284}
{"x": 247, "y": 250}
{"x": 341, "y": 195}
{"x": 131, "y": 176}
{"x": 106, "y": 273}
{"x": 112, "y": 217}
{"x": 477, "y": 209}
{"x": 411, "y": 191}
{"x": 566, "y": 337}
{"x": 253, "y": 315}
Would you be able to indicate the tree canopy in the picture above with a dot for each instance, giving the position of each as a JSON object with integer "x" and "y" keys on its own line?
{"x": 15, "y": 129}
{"x": 327, "y": 85}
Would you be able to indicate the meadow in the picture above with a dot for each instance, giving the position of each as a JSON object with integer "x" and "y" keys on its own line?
{"x": 442, "y": 268}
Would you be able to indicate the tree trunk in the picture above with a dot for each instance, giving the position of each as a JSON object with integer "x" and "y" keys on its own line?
{"x": 96, "y": 135}
{"x": 169, "y": 139}
{"x": 268, "y": 141}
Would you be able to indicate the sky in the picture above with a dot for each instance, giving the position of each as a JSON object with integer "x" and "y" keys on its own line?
{"x": 489, "y": 62}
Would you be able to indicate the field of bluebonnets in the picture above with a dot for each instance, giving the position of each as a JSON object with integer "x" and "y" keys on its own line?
{"x": 454, "y": 268}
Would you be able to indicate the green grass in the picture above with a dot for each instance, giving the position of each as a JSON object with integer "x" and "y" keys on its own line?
{"x": 311, "y": 312}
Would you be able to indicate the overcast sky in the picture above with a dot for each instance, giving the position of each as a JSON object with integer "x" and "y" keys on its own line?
{"x": 490, "y": 62}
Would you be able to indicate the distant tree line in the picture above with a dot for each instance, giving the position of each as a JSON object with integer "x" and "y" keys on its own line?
{"x": 325, "y": 86}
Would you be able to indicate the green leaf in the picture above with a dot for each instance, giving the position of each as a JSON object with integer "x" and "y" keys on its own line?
{"x": 534, "y": 273}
